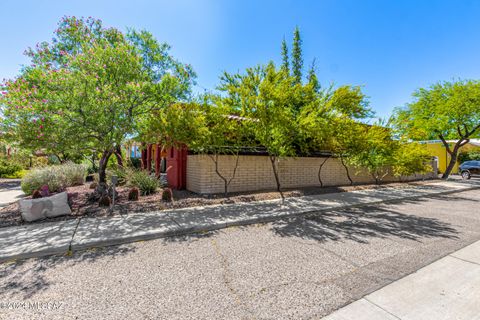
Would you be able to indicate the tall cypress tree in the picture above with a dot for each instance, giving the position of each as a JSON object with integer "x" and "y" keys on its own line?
{"x": 297, "y": 59}
{"x": 312, "y": 77}
{"x": 285, "y": 63}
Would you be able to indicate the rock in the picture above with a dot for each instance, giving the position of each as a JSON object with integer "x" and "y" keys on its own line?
{"x": 37, "y": 209}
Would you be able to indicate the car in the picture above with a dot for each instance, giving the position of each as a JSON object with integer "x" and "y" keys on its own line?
{"x": 469, "y": 168}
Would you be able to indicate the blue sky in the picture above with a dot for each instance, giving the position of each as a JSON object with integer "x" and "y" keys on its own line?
{"x": 389, "y": 47}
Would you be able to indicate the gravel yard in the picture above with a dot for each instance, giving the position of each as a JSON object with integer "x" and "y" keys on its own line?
{"x": 300, "y": 268}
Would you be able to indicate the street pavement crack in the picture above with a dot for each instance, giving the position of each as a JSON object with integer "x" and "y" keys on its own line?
{"x": 227, "y": 278}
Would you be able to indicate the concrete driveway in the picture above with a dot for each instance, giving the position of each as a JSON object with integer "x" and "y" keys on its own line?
{"x": 300, "y": 268}
{"x": 10, "y": 191}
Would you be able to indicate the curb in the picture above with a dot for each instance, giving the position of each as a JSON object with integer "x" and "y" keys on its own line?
{"x": 68, "y": 249}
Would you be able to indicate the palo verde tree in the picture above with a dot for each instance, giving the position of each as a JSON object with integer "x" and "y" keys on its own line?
{"x": 90, "y": 85}
{"x": 268, "y": 97}
{"x": 224, "y": 134}
{"x": 331, "y": 123}
{"x": 446, "y": 110}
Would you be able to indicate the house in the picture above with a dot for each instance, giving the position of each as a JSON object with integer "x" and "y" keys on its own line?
{"x": 437, "y": 149}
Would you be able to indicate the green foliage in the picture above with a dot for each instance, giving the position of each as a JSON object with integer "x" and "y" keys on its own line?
{"x": 411, "y": 158}
{"x": 9, "y": 169}
{"x": 57, "y": 177}
{"x": 87, "y": 90}
{"x": 285, "y": 57}
{"x": 297, "y": 56}
{"x": 473, "y": 154}
{"x": 146, "y": 183}
{"x": 446, "y": 110}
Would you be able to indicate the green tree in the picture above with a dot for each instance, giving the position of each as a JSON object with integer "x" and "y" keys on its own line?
{"x": 90, "y": 86}
{"x": 285, "y": 57}
{"x": 312, "y": 77}
{"x": 410, "y": 158}
{"x": 330, "y": 124}
{"x": 267, "y": 99}
{"x": 446, "y": 110}
{"x": 297, "y": 56}
{"x": 375, "y": 151}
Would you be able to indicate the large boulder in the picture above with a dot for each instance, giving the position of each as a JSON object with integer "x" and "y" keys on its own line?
{"x": 37, "y": 209}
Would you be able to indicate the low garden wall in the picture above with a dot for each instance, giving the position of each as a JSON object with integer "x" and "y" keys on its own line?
{"x": 255, "y": 173}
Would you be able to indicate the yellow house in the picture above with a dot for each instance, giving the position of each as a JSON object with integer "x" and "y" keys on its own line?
{"x": 437, "y": 149}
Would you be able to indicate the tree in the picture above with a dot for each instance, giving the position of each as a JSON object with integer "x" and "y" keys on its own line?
{"x": 90, "y": 86}
{"x": 375, "y": 151}
{"x": 285, "y": 57}
{"x": 410, "y": 158}
{"x": 446, "y": 110}
{"x": 312, "y": 77}
{"x": 331, "y": 123}
{"x": 297, "y": 56}
{"x": 267, "y": 99}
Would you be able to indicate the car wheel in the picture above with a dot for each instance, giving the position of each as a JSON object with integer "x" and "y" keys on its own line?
{"x": 466, "y": 175}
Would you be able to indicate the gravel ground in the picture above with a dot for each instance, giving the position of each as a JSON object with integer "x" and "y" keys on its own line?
{"x": 301, "y": 268}
{"x": 78, "y": 195}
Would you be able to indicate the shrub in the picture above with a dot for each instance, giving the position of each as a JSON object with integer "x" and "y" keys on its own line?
{"x": 135, "y": 163}
{"x": 57, "y": 177}
{"x": 74, "y": 173}
{"x": 146, "y": 183}
{"x": 469, "y": 155}
{"x": 167, "y": 195}
{"x": 93, "y": 185}
{"x": 8, "y": 168}
{"x": 121, "y": 173}
{"x": 133, "y": 194}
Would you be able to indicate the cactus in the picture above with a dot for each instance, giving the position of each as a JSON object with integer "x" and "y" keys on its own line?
{"x": 105, "y": 201}
{"x": 167, "y": 195}
{"x": 36, "y": 194}
{"x": 133, "y": 194}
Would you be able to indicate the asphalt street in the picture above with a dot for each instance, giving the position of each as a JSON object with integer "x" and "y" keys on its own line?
{"x": 300, "y": 268}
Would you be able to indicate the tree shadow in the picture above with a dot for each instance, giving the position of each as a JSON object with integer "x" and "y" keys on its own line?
{"x": 28, "y": 277}
{"x": 360, "y": 224}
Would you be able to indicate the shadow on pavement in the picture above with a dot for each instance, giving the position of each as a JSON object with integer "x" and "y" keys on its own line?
{"x": 360, "y": 224}
{"x": 32, "y": 279}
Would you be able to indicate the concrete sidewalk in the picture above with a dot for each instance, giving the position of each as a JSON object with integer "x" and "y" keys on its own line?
{"x": 446, "y": 289}
{"x": 40, "y": 239}
{"x": 10, "y": 191}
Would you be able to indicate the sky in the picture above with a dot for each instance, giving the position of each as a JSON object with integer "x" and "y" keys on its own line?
{"x": 389, "y": 47}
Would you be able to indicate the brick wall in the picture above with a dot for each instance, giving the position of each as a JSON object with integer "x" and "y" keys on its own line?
{"x": 255, "y": 173}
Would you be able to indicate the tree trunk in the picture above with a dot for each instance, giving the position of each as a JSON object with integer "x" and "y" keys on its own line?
{"x": 346, "y": 170}
{"x": 102, "y": 167}
{"x": 226, "y": 182}
{"x": 273, "y": 160}
{"x": 320, "y": 172}
{"x": 118, "y": 155}
{"x": 453, "y": 154}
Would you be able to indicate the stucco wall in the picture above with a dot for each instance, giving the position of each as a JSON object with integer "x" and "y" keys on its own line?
{"x": 255, "y": 173}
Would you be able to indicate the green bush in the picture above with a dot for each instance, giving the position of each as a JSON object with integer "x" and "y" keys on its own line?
{"x": 57, "y": 178}
{"x": 469, "y": 155}
{"x": 146, "y": 183}
{"x": 8, "y": 169}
